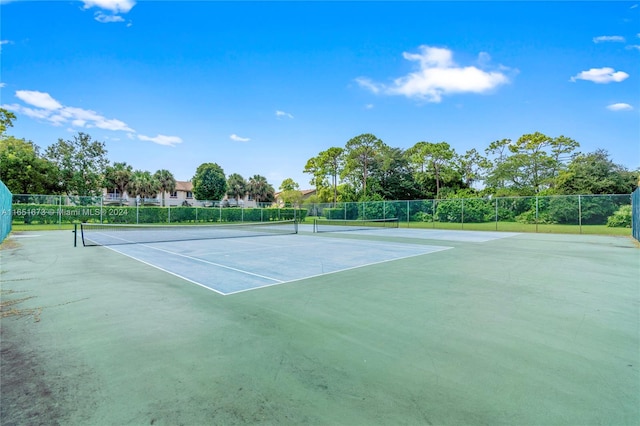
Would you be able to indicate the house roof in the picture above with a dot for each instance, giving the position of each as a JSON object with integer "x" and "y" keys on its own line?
{"x": 304, "y": 192}
{"x": 184, "y": 186}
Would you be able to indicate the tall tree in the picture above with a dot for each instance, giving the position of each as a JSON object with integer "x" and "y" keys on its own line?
{"x": 6, "y": 120}
{"x": 81, "y": 162}
{"x": 165, "y": 182}
{"x": 143, "y": 185}
{"x": 332, "y": 161}
{"x": 236, "y": 187}
{"x": 314, "y": 168}
{"x": 471, "y": 166}
{"x": 290, "y": 194}
{"x": 118, "y": 177}
{"x": 260, "y": 189}
{"x": 209, "y": 182}
{"x": 532, "y": 164}
{"x": 23, "y": 170}
{"x": 361, "y": 152}
{"x": 595, "y": 173}
{"x": 433, "y": 159}
{"x": 393, "y": 176}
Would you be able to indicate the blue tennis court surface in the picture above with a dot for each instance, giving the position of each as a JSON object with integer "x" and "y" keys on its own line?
{"x": 229, "y": 266}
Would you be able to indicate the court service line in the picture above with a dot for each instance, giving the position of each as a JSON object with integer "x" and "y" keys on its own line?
{"x": 165, "y": 270}
{"x": 215, "y": 264}
{"x": 438, "y": 249}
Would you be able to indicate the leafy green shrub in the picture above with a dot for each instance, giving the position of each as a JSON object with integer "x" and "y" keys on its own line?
{"x": 422, "y": 217}
{"x": 597, "y": 209}
{"x": 564, "y": 210}
{"x": 471, "y": 210}
{"x": 621, "y": 218}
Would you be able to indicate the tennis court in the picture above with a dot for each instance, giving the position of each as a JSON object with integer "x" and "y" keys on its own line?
{"x": 359, "y": 327}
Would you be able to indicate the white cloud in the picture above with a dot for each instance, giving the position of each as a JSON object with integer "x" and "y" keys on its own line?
{"x": 2, "y": 85}
{"x": 601, "y": 75}
{"x": 105, "y": 19}
{"x": 280, "y": 114}
{"x": 162, "y": 140}
{"x": 38, "y": 99}
{"x": 237, "y": 138}
{"x": 115, "y": 6}
{"x": 368, "y": 106}
{"x": 370, "y": 85}
{"x": 619, "y": 107}
{"x": 439, "y": 75}
{"x": 601, "y": 39}
{"x": 39, "y": 114}
{"x": 633, "y": 46}
{"x": 42, "y": 106}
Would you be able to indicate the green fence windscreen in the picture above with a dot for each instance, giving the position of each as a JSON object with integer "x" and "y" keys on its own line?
{"x": 6, "y": 200}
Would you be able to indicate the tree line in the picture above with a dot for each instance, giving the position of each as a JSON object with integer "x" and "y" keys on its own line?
{"x": 366, "y": 168}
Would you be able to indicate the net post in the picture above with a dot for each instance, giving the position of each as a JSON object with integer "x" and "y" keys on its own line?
{"x": 75, "y": 234}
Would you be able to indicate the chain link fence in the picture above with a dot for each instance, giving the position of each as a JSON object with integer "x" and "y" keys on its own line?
{"x": 505, "y": 213}
{"x": 60, "y": 210}
{"x": 574, "y": 213}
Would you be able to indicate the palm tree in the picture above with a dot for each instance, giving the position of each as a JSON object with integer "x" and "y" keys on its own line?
{"x": 237, "y": 186}
{"x": 165, "y": 181}
{"x": 118, "y": 176}
{"x": 259, "y": 189}
{"x": 143, "y": 185}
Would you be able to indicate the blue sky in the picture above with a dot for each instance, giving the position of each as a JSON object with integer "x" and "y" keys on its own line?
{"x": 261, "y": 87}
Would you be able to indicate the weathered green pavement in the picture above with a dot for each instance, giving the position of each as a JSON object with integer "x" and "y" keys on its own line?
{"x": 529, "y": 330}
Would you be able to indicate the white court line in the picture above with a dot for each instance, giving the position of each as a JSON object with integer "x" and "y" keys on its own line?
{"x": 443, "y": 248}
{"x": 165, "y": 270}
{"x": 214, "y": 264}
{"x": 276, "y": 281}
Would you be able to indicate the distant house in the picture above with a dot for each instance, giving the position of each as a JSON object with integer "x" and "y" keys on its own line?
{"x": 306, "y": 193}
{"x": 182, "y": 196}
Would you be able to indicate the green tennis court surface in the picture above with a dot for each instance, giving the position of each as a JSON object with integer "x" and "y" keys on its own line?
{"x": 402, "y": 326}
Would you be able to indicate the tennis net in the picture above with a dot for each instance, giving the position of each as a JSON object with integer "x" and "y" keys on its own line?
{"x": 339, "y": 225}
{"x": 95, "y": 234}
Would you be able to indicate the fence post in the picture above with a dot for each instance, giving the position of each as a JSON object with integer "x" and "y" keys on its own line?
{"x": 60, "y": 211}
{"x": 433, "y": 213}
{"x": 168, "y": 213}
{"x": 408, "y": 216}
{"x": 580, "y": 212}
{"x": 496, "y": 214}
{"x": 101, "y": 204}
{"x": 536, "y": 213}
{"x": 462, "y": 205}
